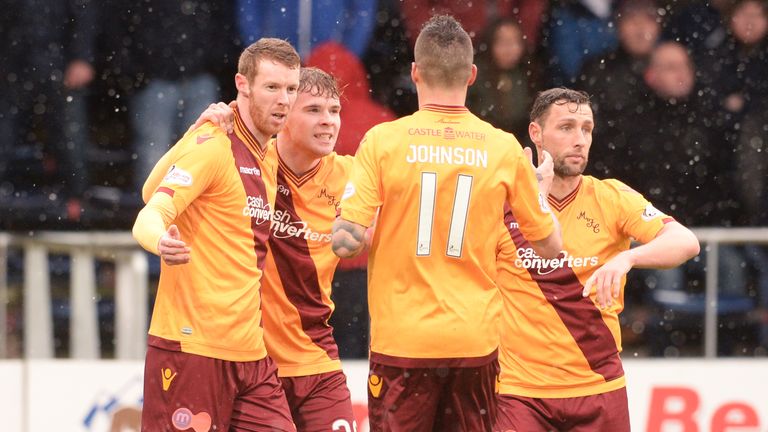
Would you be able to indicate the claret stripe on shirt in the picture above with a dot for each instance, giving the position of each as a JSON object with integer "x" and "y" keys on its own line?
{"x": 295, "y": 179}
{"x": 562, "y": 289}
{"x": 254, "y": 187}
{"x": 298, "y": 275}
{"x": 250, "y": 140}
{"x": 561, "y": 204}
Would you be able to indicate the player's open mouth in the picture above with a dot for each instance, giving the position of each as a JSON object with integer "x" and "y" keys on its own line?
{"x": 324, "y": 136}
{"x": 278, "y": 116}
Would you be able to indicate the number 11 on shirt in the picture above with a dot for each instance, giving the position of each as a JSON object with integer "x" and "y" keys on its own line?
{"x": 427, "y": 214}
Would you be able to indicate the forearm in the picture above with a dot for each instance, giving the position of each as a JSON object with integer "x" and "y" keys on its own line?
{"x": 348, "y": 238}
{"x": 152, "y": 221}
{"x": 550, "y": 246}
{"x": 673, "y": 246}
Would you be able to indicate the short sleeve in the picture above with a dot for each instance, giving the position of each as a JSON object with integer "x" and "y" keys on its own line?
{"x": 363, "y": 194}
{"x": 195, "y": 168}
{"x": 638, "y": 218}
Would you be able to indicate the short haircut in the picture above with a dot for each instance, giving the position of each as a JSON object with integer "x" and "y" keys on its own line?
{"x": 277, "y": 50}
{"x": 443, "y": 53}
{"x": 556, "y": 96}
{"x": 317, "y": 82}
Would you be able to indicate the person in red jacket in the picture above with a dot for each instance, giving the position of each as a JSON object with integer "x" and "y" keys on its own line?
{"x": 360, "y": 113}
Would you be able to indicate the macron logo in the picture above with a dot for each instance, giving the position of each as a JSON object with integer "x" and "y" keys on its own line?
{"x": 250, "y": 171}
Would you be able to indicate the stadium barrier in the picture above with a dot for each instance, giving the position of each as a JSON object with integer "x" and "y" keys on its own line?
{"x": 725, "y": 395}
{"x": 131, "y": 292}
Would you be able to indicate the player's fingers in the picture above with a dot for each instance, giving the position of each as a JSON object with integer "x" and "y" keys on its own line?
{"x": 588, "y": 286}
{"x": 174, "y": 250}
{"x": 173, "y": 232}
{"x": 176, "y": 259}
{"x": 605, "y": 291}
{"x": 545, "y": 157}
{"x": 616, "y": 287}
{"x": 528, "y": 153}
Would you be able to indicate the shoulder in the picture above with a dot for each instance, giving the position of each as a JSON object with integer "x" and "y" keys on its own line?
{"x": 622, "y": 197}
{"x": 337, "y": 165}
{"x": 208, "y": 140}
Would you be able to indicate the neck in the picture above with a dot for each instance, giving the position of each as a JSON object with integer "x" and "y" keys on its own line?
{"x": 428, "y": 95}
{"x": 562, "y": 186}
{"x": 261, "y": 137}
{"x": 298, "y": 161}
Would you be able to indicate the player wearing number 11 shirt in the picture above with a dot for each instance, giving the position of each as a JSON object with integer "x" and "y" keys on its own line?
{"x": 438, "y": 180}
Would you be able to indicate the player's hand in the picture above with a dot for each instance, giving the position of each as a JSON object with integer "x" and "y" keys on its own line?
{"x": 545, "y": 169}
{"x": 607, "y": 280}
{"x": 220, "y": 114}
{"x": 172, "y": 249}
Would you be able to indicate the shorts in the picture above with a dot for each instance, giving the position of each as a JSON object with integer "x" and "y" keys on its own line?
{"x": 190, "y": 392}
{"x": 320, "y": 403}
{"x": 458, "y": 399}
{"x": 602, "y": 412}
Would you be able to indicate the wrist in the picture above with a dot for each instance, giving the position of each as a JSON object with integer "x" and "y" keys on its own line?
{"x": 631, "y": 257}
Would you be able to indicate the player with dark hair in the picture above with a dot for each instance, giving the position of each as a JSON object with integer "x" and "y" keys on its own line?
{"x": 560, "y": 335}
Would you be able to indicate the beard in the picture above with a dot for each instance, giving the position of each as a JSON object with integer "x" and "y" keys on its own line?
{"x": 261, "y": 120}
{"x": 562, "y": 169}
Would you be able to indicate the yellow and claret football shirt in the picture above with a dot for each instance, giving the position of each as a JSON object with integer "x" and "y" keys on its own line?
{"x": 296, "y": 288}
{"x": 211, "y": 306}
{"x": 439, "y": 179}
{"x": 554, "y": 342}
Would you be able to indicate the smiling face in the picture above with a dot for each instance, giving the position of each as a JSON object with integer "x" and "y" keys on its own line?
{"x": 313, "y": 126}
{"x": 565, "y": 131}
{"x": 270, "y": 95}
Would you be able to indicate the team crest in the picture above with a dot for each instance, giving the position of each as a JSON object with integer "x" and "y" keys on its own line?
{"x": 374, "y": 385}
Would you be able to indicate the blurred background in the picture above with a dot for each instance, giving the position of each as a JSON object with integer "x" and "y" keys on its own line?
{"x": 92, "y": 93}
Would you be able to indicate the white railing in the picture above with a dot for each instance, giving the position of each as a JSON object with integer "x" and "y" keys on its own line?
{"x": 131, "y": 296}
{"x": 131, "y": 292}
{"x": 712, "y": 238}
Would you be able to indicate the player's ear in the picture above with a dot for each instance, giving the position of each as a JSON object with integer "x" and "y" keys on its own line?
{"x": 414, "y": 73}
{"x": 534, "y": 131}
{"x": 472, "y": 76}
{"x": 241, "y": 83}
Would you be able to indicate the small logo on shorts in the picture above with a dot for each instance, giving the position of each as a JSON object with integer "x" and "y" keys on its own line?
{"x": 374, "y": 385}
{"x": 183, "y": 419}
{"x": 168, "y": 376}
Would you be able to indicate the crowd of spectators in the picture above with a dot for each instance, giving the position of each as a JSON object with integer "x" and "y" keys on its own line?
{"x": 93, "y": 92}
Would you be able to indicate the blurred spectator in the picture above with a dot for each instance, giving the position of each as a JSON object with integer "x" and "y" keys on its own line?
{"x": 674, "y": 155}
{"x": 699, "y": 26}
{"x": 176, "y": 51}
{"x": 744, "y": 94}
{"x": 359, "y": 112}
{"x": 578, "y": 29}
{"x": 676, "y": 152}
{"x": 307, "y": 23}
{"x": 388, "y": 61}
{"x": 615, "y": 80}
{"x": 505, "y": 85}
{"x": 475, "y": 15}
{"x": 47, "y": 61}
